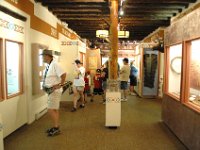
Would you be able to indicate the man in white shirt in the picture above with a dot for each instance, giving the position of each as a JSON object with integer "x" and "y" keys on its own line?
{"x": 124, "y": 77}
{"x": 54, "y": 78}
{"x": 79, "y": 85}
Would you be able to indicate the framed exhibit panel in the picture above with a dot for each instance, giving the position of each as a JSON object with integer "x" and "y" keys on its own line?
{"x": 173, "y": 70}
{"x": 38, "y": 68}
{"x": 150, "y": 72}
{"x": 82, "y": 58}
{"x": 192, "y": 73}
{"x": 1, "y": 70}
{"x": 14, "y": 68}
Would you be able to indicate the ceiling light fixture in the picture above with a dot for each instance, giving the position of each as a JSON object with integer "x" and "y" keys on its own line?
{"x": 123, "y": 34}
{"x": 102, "y": 33}
{"x": 121, "y": 12}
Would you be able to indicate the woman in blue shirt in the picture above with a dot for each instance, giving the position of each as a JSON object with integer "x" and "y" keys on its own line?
{"x": 133, "y": 77}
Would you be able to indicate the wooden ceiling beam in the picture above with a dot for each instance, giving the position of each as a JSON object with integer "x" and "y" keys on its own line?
{"x": 126, "y": 15}
{"x": 105, "y": 5}
{"x": 160, "y": 1}
{"x": 106, "y": 12}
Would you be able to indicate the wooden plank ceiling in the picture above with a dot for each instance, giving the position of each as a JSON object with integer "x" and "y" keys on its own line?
{"x": 141, "y": 17}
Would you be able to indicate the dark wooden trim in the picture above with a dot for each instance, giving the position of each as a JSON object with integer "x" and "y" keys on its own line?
{"x": 12, "y": 13}
{"x": 1, "y": 70}
{"x": 21, "y": 62}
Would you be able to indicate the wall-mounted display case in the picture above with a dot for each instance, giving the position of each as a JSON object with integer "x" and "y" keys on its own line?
{"x": 173, "y": 72}
{"x": 193, "y": 73}
{"x": 14, "y": 68}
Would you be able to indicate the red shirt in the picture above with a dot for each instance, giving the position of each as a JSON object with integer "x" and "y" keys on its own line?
{"x": 97, "y": 81}
{"x": 87, "y": 87}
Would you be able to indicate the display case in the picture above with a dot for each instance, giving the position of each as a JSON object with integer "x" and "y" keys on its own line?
{"x": 173, "y": 70}
{"x": 14, "y": 68}
{"x": 193, "y": 72}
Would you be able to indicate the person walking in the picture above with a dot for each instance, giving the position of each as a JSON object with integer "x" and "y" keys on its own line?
{"x": 97, "y": 80}
{"x": 124, "y": 77}
{"x": 105, "y": 75}
{"x": 53, "y": 80}
{"x": 79, "y": 85}
{"x": 133, "y": 77}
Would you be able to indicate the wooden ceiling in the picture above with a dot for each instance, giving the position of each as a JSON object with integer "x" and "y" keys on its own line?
{"x": 141, "y": 17}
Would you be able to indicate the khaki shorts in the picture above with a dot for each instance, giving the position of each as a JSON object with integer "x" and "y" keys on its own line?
{"x": 54, "y": 100}
{"x": 78, "y": 88}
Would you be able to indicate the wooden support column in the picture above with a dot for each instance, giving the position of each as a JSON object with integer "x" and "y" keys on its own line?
{"x": 113, "y": 40}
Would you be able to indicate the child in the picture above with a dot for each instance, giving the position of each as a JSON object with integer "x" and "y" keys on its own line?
{"x": 87, "y": 85}
{"x": 97, "y": 84}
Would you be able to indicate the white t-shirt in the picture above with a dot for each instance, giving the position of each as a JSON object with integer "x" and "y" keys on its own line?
{"x": 79, "y": 80}
{"x": 125, "y": 73}
{"x": 53, "y": 74}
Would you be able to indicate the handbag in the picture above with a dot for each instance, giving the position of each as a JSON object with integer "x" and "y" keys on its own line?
{"x": 48, "y": 90}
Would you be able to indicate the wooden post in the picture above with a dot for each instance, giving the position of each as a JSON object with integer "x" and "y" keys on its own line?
{"x": 113, "y": 65}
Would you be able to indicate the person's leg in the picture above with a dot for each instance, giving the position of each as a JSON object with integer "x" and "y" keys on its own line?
{"x": 125, "y": 94}
{"x": 104, "y": 87}
{"x": 92, "y": 97}
{"x": 53, "y": 111}
{"x": 125, "y": 90}
{"x": 122, "y": 90}
{"x": 85, "y": 96}
{"x": 131, "y": 88}
{"x": 81, "y": 96}
{"x": 75, "y": 99}
{"x": 54, "y": 114}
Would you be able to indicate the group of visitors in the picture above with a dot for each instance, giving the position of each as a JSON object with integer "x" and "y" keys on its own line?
{"x": 55, "y": 77}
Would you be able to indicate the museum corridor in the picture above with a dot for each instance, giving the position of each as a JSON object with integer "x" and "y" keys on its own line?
{"x": 141, "y": 57}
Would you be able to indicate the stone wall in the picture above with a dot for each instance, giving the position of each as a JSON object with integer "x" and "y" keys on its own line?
{"x": 186, "y": 28}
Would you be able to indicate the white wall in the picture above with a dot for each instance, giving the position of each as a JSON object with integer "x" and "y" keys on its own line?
{"x": 22, "y": 109}
{"x": 14, "y": 111}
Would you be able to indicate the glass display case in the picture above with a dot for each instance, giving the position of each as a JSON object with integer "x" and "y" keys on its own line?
{"x": 13, "y": 68}
{"x": 194, "y": 72}
{"x": 174, "y": 68}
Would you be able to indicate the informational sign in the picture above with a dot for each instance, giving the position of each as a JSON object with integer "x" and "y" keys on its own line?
{"x": 12, "y": 67}
{"x": 92, "y": 62}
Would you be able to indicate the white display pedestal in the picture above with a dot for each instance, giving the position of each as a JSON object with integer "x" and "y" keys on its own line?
{"x": 1, "y": 134}
{"x": 113, "y": 109}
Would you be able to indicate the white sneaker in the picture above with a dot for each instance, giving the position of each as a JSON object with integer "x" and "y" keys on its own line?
{"x": 124, "y": 100}
{"x": 133, "y": 94}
